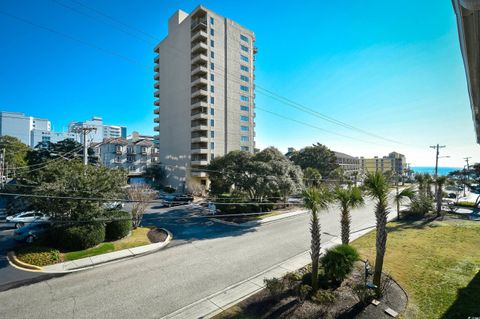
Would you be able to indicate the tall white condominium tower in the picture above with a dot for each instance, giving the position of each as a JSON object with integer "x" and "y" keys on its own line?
{"x": 204, "y": 90}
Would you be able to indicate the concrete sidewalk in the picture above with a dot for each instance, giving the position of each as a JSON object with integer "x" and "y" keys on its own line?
{"x": 95, "y": 261}
{"x": 222, "y": 300}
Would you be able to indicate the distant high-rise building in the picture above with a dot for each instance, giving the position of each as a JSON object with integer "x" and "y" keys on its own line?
{"x": 399, "y": 162}
{"x": 101, "y": 131}
{"x": 204, "y": 90}
{"x": 21, "y": 126}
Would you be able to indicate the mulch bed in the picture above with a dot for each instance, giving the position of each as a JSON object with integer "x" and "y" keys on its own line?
{"x": 288, "y": 304}
{"x": 157, "y": 235}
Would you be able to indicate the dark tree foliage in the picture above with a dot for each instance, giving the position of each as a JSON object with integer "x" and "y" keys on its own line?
{"x": 15, "y": 151}
{"x": 317, "y": 156}
{"x": 66, "y": 149}
{"x": 155, "y": 174}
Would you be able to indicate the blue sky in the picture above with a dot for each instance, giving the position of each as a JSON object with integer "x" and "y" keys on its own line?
{"x": 390, "y": 69}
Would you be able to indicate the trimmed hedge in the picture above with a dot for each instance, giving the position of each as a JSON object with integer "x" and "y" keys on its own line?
{"x": 119, "y": 228}
{"x": 78, "y": 237}
{"x": 38, "y": 255}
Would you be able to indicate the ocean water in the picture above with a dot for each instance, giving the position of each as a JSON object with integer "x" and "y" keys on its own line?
{"x": 431, "y": 169}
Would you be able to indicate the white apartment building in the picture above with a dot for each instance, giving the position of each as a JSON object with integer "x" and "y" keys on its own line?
{"x": 204, "y": 90}
{"x": 134, "y": 154}
{"x": 101, "y": 132}
{"x": 21, "y": 126}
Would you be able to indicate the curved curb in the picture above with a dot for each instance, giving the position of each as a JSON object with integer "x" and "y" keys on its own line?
{"x": 17, "y": 263}
{"x": 132, "y": 254}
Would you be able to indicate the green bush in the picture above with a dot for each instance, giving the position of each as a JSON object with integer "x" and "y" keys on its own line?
{"x": 275, "y": 286}
{"x": 324, "y": 297}
{"x": 78, "y": 237}
{"x": 119, "y": 228}
{"x": 338, "y": 262}
{"x": 38, "y": 255}
{"x": 292, "y": 278}
{"x": 304, "y": 291}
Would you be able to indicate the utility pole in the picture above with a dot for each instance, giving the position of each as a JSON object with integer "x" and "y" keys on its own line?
{"x": 437, "y": 149}
{"x": 84, "y": 130}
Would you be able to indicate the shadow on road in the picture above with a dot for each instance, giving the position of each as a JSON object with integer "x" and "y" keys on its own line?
{"x": 190, "y": 223}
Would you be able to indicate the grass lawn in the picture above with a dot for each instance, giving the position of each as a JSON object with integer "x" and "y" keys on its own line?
{"x": 437, "y": 263}
{"x": 137, "y": 238}
{"x": 42, "y": 255}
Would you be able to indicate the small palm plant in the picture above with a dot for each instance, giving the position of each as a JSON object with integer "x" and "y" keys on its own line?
{"x": 347, "y": 199}
{"x": 377, "y": 187}
{"x": 314, "y": 200}
{"x": 441, "y": 180}
{"x": 402, "y": 196}
{"x": 420, "y": 179}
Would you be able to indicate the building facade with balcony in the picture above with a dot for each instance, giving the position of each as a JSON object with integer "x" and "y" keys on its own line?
{"x": 133, "y": 155}
{"x": 376, "y": 164}
{"x": 348, "y": 163}
{"x": 204, "y": 93}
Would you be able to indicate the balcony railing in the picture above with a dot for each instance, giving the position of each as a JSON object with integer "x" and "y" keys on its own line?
{"x": 201, "y": 47}
{"x": 199, "y": 24}
{"x": 199, "y": 93}
{"x": 156, "y": 111}
{"x": 199, "y": 35}
{"x": 199, "y": 70}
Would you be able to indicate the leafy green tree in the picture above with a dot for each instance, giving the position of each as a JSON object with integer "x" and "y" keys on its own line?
{"x": 73, "y": 179}
{"x": 347, "y": 199}
{"x": 155, "y": 174}
{"x": 315, "y": 199}
{"x": 402, "y": 196}
{"x": 377, "y": 187}
{"x": 337, "y": 176}
{"x": 15, "y": 151}
{"x": 317, "y": 156}
{"x": 267, "y": 173}
{"x": 67, "y": 149}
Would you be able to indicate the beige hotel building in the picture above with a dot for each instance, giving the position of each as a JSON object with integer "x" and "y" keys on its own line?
{"x": 204, "y": 93}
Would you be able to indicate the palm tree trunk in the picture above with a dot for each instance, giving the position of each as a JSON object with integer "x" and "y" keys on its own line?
{"x": 439, "y": 200}
{"x": 345, "y": 222}
{"x": 315, "y": 249}
{"x": 381, "y": 243}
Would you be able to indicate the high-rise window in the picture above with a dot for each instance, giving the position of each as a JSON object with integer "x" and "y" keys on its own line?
{"x": 244, "y": 98}
{"x": 212, "y": 32}
{"x": 243, "y": 38}
{"x": 212, "y": 66}
{"x": 212, "y": 77}
{"x": 244, "y": 118}
{"x": 212, "y": 54}
{"x": 212, "y": 145}
{"x": 244, "y": 48}
{"x": 243, "y": 58}
{"x": 212, "y": 134}
{"x": 244, "y": 78}
{"x": 212, "y": 89}
{"x": 212, "y": 123}
{"x": 211, "y": 20}
{"x": 244, "y": 128}
{"x": 212, "y": 112}
{"x": 212, "y": 43}
{"x": 244, "y": 108}
{"x": 244, "y": 68}
{"x": 244, "y": 148}
{"x": 244, "y": 138}
{"x": 244, "y": 88}
{"x": 212, "y": 100}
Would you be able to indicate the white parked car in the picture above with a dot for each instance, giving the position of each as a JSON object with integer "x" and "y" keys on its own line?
{"x": 26, "y": 217}
{"x": 113, "y": 205}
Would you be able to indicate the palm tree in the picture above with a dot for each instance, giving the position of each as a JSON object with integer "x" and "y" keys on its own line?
{"x": 428, "y": 184}
{"x": 314, "y": 200}
{"x": 441, "y": 180}
{"x": 377, "y": 187}
{"x": 348, "y": 199}
{"x": 401, "y": 196}
{"x": 312, "y": 176}
{"x": 420, "y": 178}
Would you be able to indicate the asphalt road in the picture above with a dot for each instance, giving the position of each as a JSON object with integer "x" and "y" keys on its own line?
{"x": 196, "y": 267}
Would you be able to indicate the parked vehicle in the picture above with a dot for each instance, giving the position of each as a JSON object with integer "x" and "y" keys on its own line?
{"x": 176, "y": 199}
{"x": 452, "y": 195}
{"x": 26, "y": 217}
{"x": 31, "y": 232}
{"x": 113, "y": 205}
